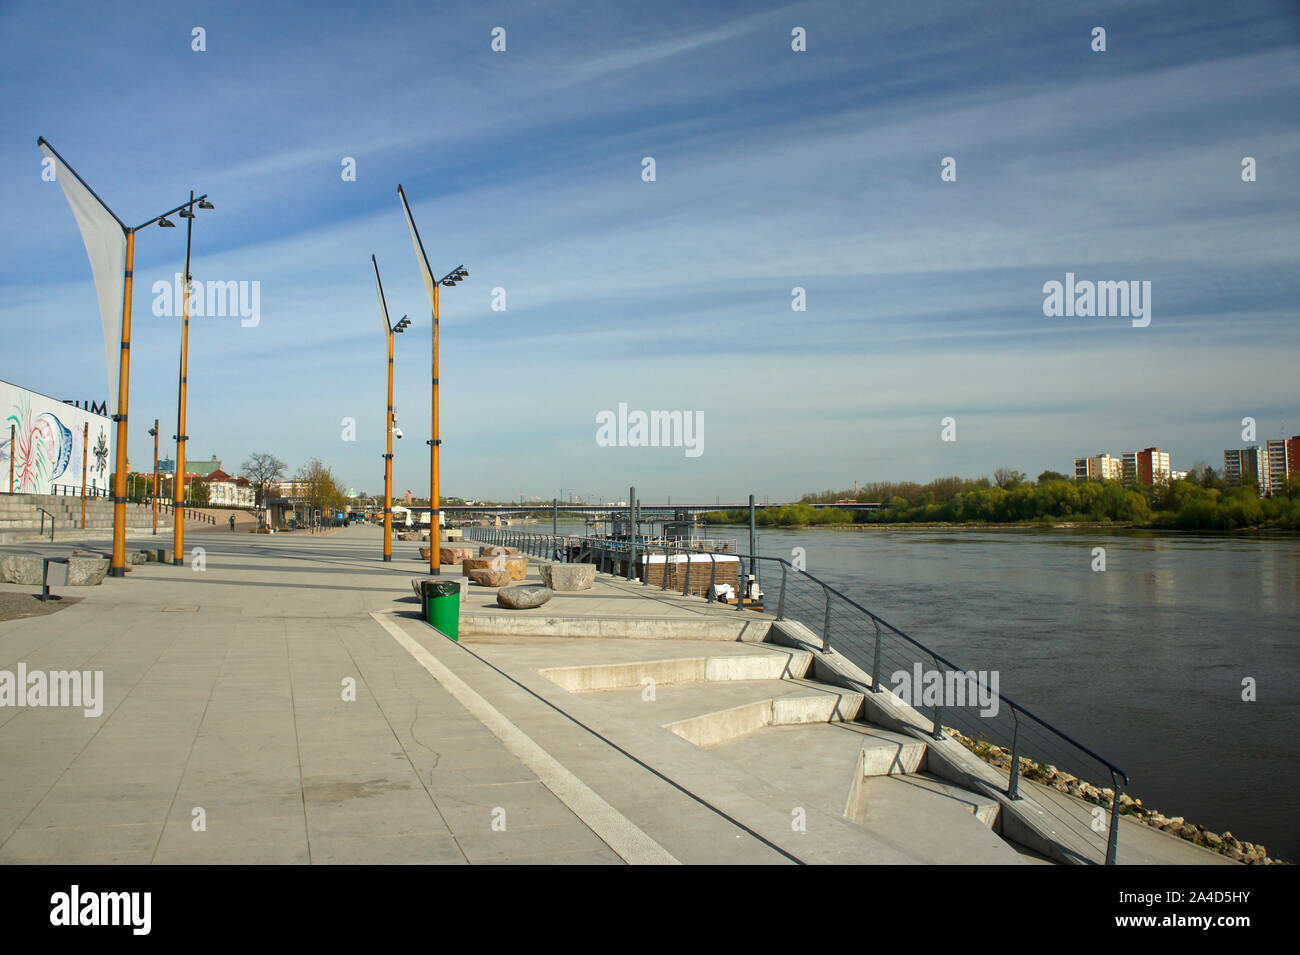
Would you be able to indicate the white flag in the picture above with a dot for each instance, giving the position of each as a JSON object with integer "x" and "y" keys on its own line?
{"x": 419, "y": 246}
{"x": 105, "y": 240}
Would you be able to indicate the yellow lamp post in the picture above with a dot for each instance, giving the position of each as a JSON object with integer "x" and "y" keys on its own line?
{"x": 390, "y": 333}
{"x": 450, "y": 280}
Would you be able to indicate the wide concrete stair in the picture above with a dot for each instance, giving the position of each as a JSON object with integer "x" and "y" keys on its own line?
{"x": 809, "y": 739}
{"x": 20, "y": 516}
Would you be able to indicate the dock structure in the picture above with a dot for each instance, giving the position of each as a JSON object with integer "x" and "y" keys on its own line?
{"x": 290, "y": 696}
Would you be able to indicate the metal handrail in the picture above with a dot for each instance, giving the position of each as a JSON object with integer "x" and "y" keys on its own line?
{"x": 615, "y": 549}
{"x": 45, "y": 514}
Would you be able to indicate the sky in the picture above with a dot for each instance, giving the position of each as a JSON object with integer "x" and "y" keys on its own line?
{"x": 775, "y": 169}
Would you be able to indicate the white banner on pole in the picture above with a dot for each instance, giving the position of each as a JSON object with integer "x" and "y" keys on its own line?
{"x": 419, "y": 246}
{"x": 105, "y": 242}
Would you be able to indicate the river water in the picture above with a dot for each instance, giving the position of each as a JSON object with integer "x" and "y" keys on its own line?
{"x": 1143, "y": 662}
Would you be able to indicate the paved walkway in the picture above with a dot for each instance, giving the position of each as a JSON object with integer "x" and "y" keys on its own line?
{"x": 224, "y": 703}
{"x": 278, "y": 700}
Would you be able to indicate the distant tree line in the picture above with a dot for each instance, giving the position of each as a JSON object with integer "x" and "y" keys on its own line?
{"x": 1201, "y": 501}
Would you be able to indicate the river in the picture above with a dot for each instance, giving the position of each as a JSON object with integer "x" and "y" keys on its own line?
{"x": 1143, "y": 662}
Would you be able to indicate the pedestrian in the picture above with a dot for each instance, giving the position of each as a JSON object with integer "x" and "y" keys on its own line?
{"x": 232, "y": 523}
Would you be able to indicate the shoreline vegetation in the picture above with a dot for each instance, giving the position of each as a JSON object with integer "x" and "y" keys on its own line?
{"x": 1200, "y": 502}
{"x": 1045, "y": 774}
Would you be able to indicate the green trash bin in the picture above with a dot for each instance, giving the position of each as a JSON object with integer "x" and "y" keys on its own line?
{"x": 442, "y": 606}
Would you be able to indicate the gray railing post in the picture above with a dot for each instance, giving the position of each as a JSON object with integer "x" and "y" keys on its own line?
{"x": 875, "y": 659}
{"x": 664, "y": 584}
{"x": 938, "y": 707}
{"x": 1013, "y": 783}
{"x": 740, "y": 585}
{"x": 826, "y": 625}
{"x": 1112, "y": 838}
{"x": 713, "y": 576}
{"x": 780, "y": 600}
{"x": 686, "y": 586}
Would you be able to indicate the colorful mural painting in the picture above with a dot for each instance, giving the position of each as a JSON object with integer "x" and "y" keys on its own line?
{"x": 46, "y": 446}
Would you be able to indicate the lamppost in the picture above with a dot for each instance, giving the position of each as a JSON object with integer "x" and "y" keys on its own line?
{"x": 450, "y": 280}
{"x": 178, "y": 485}
{"x": 390, "y": 332}
{"x": 154, "y": 434}
{"x": 110, "y": 245}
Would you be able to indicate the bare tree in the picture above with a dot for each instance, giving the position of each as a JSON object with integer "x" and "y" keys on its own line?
{"x": 261, "y": 469}
{"x": 1008, "y": 477}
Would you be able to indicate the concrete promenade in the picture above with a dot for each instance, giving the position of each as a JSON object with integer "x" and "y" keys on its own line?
{"x": 226, "y": 737}
{"x": 223, "y": 692}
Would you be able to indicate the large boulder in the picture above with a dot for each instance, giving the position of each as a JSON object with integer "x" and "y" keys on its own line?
{"x": 454, "y": 555}
{"x": 425, "y": 552}
{"x": 523, "y": 596}
{"x": 567, "y": 577}
{"x": 86, "y": 571}
{"x": 517, "y": 566}
{"x": 487, "y": 577}
{"x": 495, "y": 551}
{"x": 21, "y": 568}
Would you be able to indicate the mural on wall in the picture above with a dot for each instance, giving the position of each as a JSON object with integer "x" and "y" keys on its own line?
{"x": 46, "y": 444}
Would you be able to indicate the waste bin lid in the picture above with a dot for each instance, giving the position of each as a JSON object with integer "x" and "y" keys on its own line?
{"x": 442, "y": 588}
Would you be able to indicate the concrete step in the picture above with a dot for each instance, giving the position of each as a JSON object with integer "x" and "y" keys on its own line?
{"x": 821, "y": 767}
{"x": 765, "y": 665}
{"x": 780, "y": 703}
{"x": 983, "y": 808}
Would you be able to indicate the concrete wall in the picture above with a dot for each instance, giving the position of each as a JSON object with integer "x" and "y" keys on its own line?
{"x": 47, "y": 446}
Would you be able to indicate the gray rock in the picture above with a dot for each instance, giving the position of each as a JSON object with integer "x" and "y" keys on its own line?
{"x": 21, "y": 568}
{"x": 86, "y": 571}
{"x": 138, "y": 556}
{"x": 523, "y": 596}
{"x": 568, "y": 577}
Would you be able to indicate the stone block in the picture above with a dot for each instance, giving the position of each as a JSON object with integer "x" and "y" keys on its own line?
{"x": 86, "y": 571}
{"x": 495, "y": 551}
{"x": 21, "y": 568}
{"x": 487, "y": 577}
{"x": 454, "y": 555}
{"x": 568, "y": 577}
{"x": 523, "y": 596}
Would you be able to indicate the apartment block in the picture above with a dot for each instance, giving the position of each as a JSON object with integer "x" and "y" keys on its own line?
{"x": 1152, "y": 466}
{"x": 1243, "y": 463}
{"x": 1099, "y": 467}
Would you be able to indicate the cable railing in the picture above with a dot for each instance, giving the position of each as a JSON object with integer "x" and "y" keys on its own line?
{"x": 949, "y": 695}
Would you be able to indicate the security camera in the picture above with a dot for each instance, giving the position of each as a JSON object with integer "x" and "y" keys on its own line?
{"x": 397, "y": 433}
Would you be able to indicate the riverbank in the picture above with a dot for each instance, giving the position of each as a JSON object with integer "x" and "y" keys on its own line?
{"x": 1018, "y": 526}
{"x": 1226, "y": 844}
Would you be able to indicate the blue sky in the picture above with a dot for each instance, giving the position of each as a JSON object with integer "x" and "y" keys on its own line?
{"x": 774, "y": 169}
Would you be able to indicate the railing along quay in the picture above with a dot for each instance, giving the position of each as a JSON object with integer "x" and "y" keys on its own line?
{"x": 868, "y": 641}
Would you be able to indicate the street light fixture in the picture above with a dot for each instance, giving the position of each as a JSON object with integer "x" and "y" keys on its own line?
{"x": 390, "y": 333}
{"x": 432, "y": 285}
{"x": 110, "y": 246}
{"x": 178, "y": 482}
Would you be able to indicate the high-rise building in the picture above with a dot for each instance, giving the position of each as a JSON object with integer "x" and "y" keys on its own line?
{"x": 1245, "y": 464}
{"x": 1152, "y": 466}
{"x": 1129, "y": 467}
{"x": 1099, "y": 467}
{"x": 1275, "y": 466}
